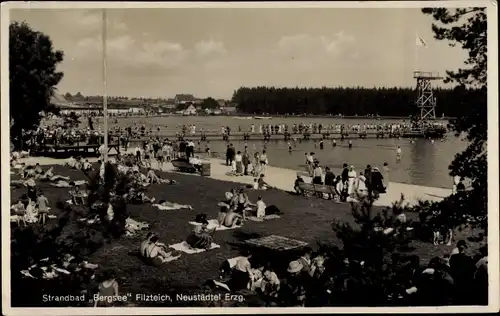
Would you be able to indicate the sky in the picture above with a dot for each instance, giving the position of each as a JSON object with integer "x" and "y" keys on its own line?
{"x": 212, "y": 52}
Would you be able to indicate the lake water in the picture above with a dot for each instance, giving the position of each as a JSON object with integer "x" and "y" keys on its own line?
{"x": 423, "y": 162}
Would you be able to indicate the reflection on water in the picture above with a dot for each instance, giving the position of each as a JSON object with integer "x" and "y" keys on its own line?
{"x": 423, "y": 162}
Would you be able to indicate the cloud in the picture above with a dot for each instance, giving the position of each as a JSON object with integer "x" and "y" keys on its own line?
{"x": 210, "y": 47}
{"x": 306, "y": 45}
{"x": 91, "y": 20}
{"x": 126, "y": 53}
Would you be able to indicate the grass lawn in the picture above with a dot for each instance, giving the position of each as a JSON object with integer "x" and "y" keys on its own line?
{"x": 304, "y": 219}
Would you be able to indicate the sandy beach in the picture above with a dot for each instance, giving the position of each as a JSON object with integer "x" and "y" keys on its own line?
{"x": 283, "y": 179}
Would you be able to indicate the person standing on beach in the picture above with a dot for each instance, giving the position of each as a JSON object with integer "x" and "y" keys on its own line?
{"x": 246, "y": 161}
{"x": 385, "y": 175}
{"x": 263, "y": 162}
{"x": 317, "y": 174}
{"x": 229, "y": 154}
{"x": 239, "y": 163}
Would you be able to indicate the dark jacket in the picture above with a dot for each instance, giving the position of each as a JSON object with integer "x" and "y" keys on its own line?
{"x": 329, "y": 178}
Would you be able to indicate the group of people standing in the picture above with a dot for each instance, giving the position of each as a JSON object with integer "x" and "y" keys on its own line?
{"x": 348, "y": 183}
{"x": 240, "y": 162}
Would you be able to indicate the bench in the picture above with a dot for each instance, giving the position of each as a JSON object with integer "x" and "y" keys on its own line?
{"x": 183, "y": 166}
{"x": 316, "y": 188}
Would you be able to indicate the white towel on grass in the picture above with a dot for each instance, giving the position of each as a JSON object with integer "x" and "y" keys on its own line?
{"x": 215, "y": 223}
{"x": 185, "y": 247}
{"x": 172, "y": 207}
{"x": 267, "y": 217}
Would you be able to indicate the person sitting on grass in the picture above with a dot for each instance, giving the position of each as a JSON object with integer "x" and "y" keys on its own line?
{"x": 86, "y": 166}
{"x": 108, "y": 289}
{"x": 270, "y": 286}
{"x": 243, "y": 204}
{"x": 43, "y": 209}
{"x": 241, "y": 274}
{"x": 156, "y": 252}
{"x": 38, "y": 169}
{"x": 229, "y": 218}
{"x": 19, "y": 211}
{"x": 201, "y": 237}
{"x": 29, "y": 172}
{"x": 77, "y": 196}
{"x": 31, "y": 213}
{"x": 261, "y": 208}
{"x": 71, "y": 163}
{"x": 262, "y": 184}
{"x": 296, "y": 185}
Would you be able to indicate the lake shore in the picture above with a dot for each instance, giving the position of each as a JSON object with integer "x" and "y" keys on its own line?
{"x": 283, "y": 179}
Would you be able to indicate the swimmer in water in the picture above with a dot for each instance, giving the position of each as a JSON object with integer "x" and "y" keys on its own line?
{"x": 321, "y": 144}
{"x": 398, "y": 153}
{"x": 350, "y": 144}
{"x": 334, "y": 143}
{"x": 289, "y": 147}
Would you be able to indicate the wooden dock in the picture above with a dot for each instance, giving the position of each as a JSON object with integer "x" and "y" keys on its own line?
{"x": 203, "y": 136}
{"x": 78, "y": 149}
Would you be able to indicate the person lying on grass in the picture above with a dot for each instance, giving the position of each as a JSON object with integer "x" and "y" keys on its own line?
{"x": 151, "y": 178}
{"x": 174, "y": 205}
{"x": 155, "y": 251}
{"x": 49, "y": 176}
{"x": 135, "y": 197}
{"x": 201, "y": 237}
{"x": 228, "y": 218}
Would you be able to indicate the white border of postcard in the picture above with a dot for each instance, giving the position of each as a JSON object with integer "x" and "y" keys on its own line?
{"x": 493, "y": 235}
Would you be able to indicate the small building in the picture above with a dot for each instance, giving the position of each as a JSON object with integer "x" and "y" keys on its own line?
{"x": 190, "y": 110}
{"x": 184, "y": 98}
{"x": 222, "y": 103}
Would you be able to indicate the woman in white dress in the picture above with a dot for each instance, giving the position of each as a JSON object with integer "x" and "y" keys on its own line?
{"x": 351, "y": 182}
{"x": 361, "y": 189}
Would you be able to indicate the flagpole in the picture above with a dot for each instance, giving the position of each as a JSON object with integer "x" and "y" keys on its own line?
{"x": 416, "y": 52}
{"x": 104, "y": 77}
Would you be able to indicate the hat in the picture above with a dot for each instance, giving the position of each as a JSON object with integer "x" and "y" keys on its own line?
{"x": 462, "y": 243}
{"x": 294, "y": 267}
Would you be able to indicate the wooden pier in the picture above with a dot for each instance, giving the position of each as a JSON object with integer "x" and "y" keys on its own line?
{"x": 78, "y": 149}
{"x": 204, "y": 136}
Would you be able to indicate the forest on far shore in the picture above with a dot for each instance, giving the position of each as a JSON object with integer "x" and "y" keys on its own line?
{"x": 351, "y": 101}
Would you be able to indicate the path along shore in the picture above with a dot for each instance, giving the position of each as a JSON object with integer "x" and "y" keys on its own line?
{"x": 284, "y": 179}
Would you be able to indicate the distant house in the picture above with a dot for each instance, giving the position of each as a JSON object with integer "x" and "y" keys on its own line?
{"x": 184, "y": 98}
{"x": 198, "y": 101}
{"x": 222, "y": 103}
{"x": 190, "y": 110}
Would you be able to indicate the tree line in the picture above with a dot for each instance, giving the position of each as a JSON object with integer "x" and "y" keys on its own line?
{"x": 346, "y": 101}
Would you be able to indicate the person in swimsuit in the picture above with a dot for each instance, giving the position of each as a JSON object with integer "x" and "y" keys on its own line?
{"x": 108, "y": 289}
